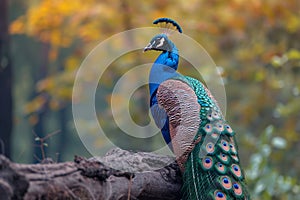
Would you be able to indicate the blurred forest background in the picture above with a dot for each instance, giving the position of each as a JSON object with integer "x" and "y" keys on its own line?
{"x": 257, "y": 43}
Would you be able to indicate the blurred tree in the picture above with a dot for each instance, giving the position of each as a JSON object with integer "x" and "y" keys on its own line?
{"x": 38, "y": 119}
{"x": 6, "y": 106}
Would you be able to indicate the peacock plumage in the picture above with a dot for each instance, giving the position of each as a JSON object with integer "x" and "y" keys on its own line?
{"x": 193, "y": 126}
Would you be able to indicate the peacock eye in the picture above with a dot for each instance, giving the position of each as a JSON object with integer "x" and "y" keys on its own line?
{"x": 237, "y": 189}
{"x": 235, "y": 168}
{"x": 236, "y": 186}
{"x": 207, "y": 163}
{"x": 225, "y": 180}
{"x": 220, "y": 194}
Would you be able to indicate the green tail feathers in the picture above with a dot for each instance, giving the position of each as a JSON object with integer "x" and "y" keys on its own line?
{"x": 212, "y": 170}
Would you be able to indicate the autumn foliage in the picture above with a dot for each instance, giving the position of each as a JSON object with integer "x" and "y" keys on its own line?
{"x": 256, "y": 43}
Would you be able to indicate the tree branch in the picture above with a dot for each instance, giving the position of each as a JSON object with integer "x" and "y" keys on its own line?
{"x": 133, "y": 176}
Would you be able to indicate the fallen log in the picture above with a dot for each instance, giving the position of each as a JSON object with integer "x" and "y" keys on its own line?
{"x": 120, "y": 175}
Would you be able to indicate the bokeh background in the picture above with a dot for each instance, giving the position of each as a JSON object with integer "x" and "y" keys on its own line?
{"x": 256, "y": 43}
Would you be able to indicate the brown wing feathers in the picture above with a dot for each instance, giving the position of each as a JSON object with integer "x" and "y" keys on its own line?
{"x": 180, "y": 103}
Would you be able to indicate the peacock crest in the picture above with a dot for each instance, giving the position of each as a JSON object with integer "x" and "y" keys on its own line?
{"x": 167, "y": 25}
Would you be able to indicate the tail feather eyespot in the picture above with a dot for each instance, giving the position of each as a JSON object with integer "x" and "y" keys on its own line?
{"x": 224, "y": 145}
{"x": 209, "y": 117}
{"x": 215, "y": 115}
{"x": 207, "y": 163}
{"x": 219, "y": 127}
{"x": 219, "y": 195}
{"x": 210, "y": 147}
{"x": 224, "y": 158}
{"x": 208, "y": 128}
{"x": 236, "y": 171}
{"x": 237, "y": 189}
{"x": 232, "y": 148}
{"x": 221, "y": 168}
{"x": 228, "y": 129}
{"x": 215, "y": 135}
{"x": 225, "y": 182}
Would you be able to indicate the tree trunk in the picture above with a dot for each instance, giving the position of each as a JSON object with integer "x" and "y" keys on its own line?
{"x": 39, "y": 127}
{"x": 63, "y": 134}
{"x": 142, "y": 177}
{"x": 5, "y": 82}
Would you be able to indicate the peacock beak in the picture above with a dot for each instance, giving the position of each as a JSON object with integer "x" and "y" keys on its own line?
{"x": 148, "y": 47}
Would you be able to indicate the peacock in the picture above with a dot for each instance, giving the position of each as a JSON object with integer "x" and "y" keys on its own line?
{"x": 193, "y": 126}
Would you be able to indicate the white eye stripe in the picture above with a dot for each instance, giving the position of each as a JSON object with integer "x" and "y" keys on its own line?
{"x": 161, "y": 42}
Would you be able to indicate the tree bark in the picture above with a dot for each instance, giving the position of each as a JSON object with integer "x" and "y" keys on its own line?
{"x": 5, "y": 82}
{"x": 136, "y": 176}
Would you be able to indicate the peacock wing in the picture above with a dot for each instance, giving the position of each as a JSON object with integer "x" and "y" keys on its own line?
{"x": 179, "y": 101}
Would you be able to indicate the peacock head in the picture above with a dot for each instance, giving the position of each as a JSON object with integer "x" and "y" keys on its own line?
{"x": 160, "y": 42}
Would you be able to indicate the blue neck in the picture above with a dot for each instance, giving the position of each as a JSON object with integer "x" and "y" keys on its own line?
{"x": 163, "y": 68}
